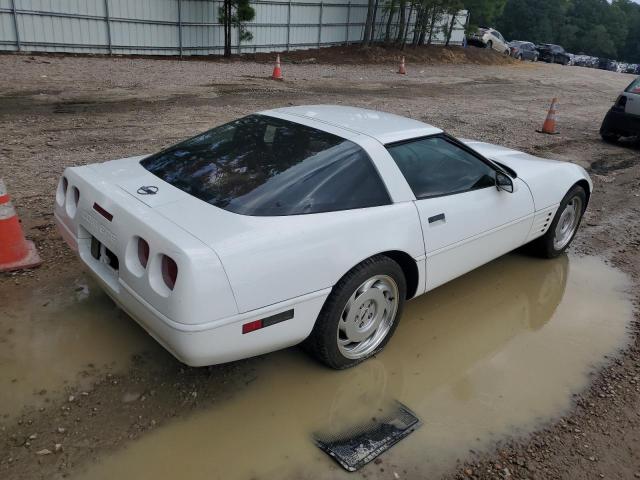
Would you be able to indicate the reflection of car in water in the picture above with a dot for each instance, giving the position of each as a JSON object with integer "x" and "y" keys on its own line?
{"x": 445, "y": 334}
{"x": 443, "y": 337}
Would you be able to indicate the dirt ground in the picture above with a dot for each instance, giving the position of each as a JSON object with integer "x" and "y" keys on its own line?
{"x": 58, "y": 111}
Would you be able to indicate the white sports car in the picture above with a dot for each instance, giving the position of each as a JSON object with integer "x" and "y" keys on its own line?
{"x": 306, "y": 224}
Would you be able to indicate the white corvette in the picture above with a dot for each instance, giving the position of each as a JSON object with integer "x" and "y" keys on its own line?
{"x": 311, "y": 223}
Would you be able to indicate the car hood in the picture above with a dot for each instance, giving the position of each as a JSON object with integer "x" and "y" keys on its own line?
{"x": 547, "y": 179}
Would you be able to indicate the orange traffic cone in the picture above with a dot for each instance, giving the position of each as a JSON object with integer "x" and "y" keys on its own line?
{"x": 549, "y": 125}
{"x": 402, "y": 69}
{"x": 277, "y": 71}
{"x": 15, "y": 252}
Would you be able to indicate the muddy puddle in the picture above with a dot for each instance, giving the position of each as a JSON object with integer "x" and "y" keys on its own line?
{"x": 491, "y": 355}
{"x": 65, "y": 334}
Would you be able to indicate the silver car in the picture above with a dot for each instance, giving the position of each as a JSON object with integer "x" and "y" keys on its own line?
{"x": 489, "y": 38}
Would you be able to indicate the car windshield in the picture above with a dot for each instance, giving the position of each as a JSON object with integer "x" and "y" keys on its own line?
{"x": 634, "y": 87}
{"x": 261, "y": 165}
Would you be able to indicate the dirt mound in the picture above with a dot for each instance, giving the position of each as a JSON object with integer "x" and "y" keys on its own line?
{"x": 337, "y": 55}
{"x": 354, "y": 54}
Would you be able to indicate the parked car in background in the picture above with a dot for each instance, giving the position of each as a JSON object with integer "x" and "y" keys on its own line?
{"x": 553, "y": 54}
{"x": 623, "y": 119}
{"x": 588, "y": 61}
{"x": 582, "y": 60}
{"x": 489, "y": 38}
{"x": 626, "y": 67}
{"x": 607, "y": 64}
{"x": 309, "y": 223}
{"x": 523, "y": 50}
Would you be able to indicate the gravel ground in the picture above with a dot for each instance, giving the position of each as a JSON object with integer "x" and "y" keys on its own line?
{"x": 61, "y": 111}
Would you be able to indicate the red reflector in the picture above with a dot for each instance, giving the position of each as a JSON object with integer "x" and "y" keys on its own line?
{"x": 143, "y": 252}
{"x": 102, "y": 212}
{"x": 251, "y": 326}
{"x": 169, "y": 271}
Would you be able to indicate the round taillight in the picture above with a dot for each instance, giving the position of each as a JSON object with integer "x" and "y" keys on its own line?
{"x": 143, "y": 252}
{"x": 61, "y": 193}
{"x": 169, "y": 272}
{"x": 71, "y": 202}
{"x": 76, "y": 196}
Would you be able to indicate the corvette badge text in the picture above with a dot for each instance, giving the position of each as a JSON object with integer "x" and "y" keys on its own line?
{"x": 106, "y": 234}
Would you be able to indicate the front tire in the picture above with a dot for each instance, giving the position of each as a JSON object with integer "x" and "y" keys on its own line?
{"x": 360, "y": 315}
{"x": 610, "y": 137}
{"x": 564, "y": 226}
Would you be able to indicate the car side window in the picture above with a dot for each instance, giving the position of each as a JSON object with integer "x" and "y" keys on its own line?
{"x": 434, "y": 166}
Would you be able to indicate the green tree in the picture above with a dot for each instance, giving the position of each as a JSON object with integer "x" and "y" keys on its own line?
{"x": 451, "y": 8}
{"x": 594, "y": 27}
{"x": 234, "y": 14}
{"x": 484, "y": 12}
{"x": 391, "y": 7}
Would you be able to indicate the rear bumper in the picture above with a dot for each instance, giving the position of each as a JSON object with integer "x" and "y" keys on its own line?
{"x": 212, "y": 343}
{"x": 620, "y": 123}
{"x": 197, "y": 320}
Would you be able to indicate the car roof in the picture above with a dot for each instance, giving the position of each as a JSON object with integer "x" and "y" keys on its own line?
{"x": 384, "y": 127}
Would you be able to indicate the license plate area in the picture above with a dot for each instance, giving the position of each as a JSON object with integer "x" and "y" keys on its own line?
{"x": 105, "y": 256}
{"x": 99, "y": 258}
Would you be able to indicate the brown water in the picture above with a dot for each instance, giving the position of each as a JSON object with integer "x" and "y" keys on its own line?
{"x": 58, "y": 335}
{"x": 492, "y": 354}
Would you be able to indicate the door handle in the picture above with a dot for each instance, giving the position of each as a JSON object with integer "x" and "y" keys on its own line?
{"x": 436, "y": 218}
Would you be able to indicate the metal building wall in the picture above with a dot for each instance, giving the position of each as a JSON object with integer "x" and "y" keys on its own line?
{"x": 181, "y": 27}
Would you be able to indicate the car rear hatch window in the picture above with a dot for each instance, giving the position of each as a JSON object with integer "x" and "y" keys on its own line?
{"x": 265, "y": 166}
{"x": 634, "y": 87}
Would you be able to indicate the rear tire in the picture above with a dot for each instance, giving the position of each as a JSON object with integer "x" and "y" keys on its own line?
{"x": 564, "y": 226}
{"x": 360, "y": 315}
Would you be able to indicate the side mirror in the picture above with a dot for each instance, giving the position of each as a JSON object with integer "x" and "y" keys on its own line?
{"x": 504, "y": 182}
